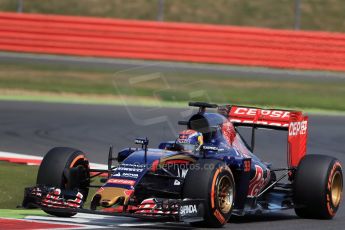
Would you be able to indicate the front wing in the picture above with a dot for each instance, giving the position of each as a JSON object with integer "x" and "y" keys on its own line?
{"x": 55, "y": 200}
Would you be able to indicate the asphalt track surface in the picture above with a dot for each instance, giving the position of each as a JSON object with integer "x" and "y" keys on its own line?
{"x": 34, "y": 128}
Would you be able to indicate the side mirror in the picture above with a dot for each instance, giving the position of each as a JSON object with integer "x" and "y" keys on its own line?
{"x": 141, "y": 141}
{"x": 144, "y": 143}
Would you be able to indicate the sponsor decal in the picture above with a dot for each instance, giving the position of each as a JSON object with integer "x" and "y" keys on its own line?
{"x": 120, "y": 181}
{"x": 131, "y": 175}
{"x": 188, "y": 210}
{"x": 133, "y": 165}
{"x": 208, "y": 147}
{"x": 219, "y": 216}
{"x": 244, "y": 115}
{"x": 330, "y": 207}
{"x": 269, "y": 113}
{"x": 130, "y": 169}
{"x": 213, "y": 186}
{"x": 126, "y": 174}
{"x": 298, "y": 128}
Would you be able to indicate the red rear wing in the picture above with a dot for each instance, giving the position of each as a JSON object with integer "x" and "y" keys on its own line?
{"x": 292, "y": 121}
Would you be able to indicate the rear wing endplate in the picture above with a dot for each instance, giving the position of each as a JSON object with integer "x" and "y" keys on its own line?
{"x": 292, "y": 121}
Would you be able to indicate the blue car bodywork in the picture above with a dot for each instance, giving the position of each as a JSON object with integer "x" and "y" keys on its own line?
{"x": 237, "y": 157}
{"x": 152, "y": 183}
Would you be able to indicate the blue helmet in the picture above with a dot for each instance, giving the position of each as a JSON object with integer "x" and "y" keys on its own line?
{"x": 190, "y": 140}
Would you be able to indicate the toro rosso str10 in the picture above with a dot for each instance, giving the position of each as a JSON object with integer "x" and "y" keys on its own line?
{"x": 208, "y": 174}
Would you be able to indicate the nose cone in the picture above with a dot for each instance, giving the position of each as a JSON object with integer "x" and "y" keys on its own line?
{"x": 110, "y": 196}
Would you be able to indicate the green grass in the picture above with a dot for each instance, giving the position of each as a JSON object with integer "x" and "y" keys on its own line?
{"x": 316, "y": 15}
{"x": 13, "y": 179}
{"x": 20, "y": 213}
{"x": 146, "y": 86}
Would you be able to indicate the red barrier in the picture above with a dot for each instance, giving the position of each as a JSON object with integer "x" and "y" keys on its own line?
{"x": 171, "y": 41}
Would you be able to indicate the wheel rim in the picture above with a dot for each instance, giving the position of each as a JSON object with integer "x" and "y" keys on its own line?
{"x": 225, "y": 194}
{"x": 336, "y": 188}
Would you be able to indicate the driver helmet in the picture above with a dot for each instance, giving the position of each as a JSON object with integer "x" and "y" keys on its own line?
{"x": 190, "y": 140}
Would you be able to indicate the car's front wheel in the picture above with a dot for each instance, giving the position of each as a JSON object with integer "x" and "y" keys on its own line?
{"x": 56, "y": 171}
{"x": 212, "y": 181}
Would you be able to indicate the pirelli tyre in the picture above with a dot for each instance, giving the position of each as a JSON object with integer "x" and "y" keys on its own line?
{"x": 64, "y": 168}
{"x": 318, "y": 186}
{"x": 212, "y": 181}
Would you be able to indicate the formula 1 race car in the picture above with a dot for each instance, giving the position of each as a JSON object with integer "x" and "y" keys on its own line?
{"x": 208, "y": 174}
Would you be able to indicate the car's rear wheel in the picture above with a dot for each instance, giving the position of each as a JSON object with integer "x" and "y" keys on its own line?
{"x": 212, "y": 181}
{"x": 56, "y": 170}
{"x": 318, "y": 187}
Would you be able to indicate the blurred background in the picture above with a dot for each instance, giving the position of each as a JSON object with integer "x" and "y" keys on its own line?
{"x": 286, "y": 53}
{"x": 281, "y": 14}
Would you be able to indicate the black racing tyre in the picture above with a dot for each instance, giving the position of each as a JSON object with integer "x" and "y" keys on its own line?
{"x": 318, "y": 186}
{"x": 212, "y": 181}
{"x": 54, "y": 169}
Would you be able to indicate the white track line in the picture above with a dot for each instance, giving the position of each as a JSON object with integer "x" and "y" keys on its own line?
{"x": 35, "y": 160}
{"x": 87, "y": 220}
